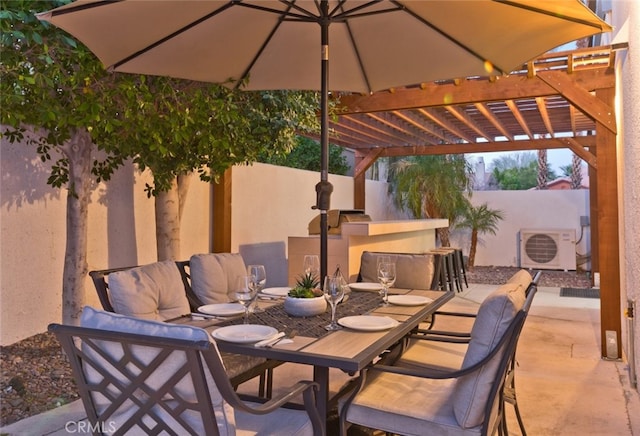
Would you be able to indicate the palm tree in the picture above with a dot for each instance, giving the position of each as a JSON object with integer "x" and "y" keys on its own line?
{"x": 576, "y": 174}
{"x": 543, "y": 171}
{"x": 432, "y": 187}
{"x": 479, "y": 219}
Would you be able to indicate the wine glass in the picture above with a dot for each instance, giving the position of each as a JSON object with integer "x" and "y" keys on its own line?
{"x": 382, "y": 259}
{"x": 387, "y": 277}
{"x": 258, "y": 280}
{"x": 243, "y": 293}
{"x": 333, "y": 293}
{"x": 311, "y": 264}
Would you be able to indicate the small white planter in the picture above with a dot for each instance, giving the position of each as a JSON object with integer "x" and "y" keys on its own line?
{"x": 305, "y": 306}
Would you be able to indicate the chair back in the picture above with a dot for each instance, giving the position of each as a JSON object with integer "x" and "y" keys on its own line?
{"x": 273, "y": 255}
{"x": 184, "y": 266}
{"x": 213, "y": 274}
{"x": 493, "y": 338}
{"x": 153, "y": 291}
{"x": 504, "y": 353}
{"x": 413, "y": 270}
{"x": 149, "y": 382}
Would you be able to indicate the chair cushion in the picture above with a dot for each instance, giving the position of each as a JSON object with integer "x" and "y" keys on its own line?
{"x": 214, "y": 274}
{"x": 273, "y": 255}
{"x": 102, "y": 320}
{"x": 522, "y": 277}
{"x": 283, "y": 421}
{"x": 413, "y": 270}
{"x": 153, "y": 291}
{"x": 407, "y": 405}
{"x": 494, "y": 316}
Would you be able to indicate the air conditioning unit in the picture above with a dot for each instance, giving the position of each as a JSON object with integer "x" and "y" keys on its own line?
{"x": 548, "y": 249}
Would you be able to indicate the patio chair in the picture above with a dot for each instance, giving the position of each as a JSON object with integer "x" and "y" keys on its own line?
{"x": 418, "y": 400}
{"x": 153, "y": 291}
{"x": 414, "y": 270}
{"x": 146, "y": 377}
{"x": 143, "y": 283}
{"x": 444, "y": 350}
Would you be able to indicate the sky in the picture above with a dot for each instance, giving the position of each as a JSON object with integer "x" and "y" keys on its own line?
{"x": 555, "y": 157}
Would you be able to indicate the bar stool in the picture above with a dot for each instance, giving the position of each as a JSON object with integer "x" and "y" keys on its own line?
{"x": 454, "y": 263}
{"x": 448, "y": 256}
{"x": 460, "y": 265}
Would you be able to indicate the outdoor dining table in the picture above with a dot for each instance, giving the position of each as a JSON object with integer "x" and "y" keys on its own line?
{"x": 346, "y": 349}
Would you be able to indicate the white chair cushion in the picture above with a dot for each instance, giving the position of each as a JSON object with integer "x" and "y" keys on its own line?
{"x": 407, "y": 405}
{"x": 413, "y": 271}
{"x": 214, "y": 274}
{"x": 494, "y": 316}
{"x": 153, "y": 291}
{"x": 102, "y": 320}
{"x": 522, "y": 277}
{"x": 283, "y": 422}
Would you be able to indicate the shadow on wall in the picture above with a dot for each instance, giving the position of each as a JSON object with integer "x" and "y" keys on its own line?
{"x": 119, "y": 200}
{"x": 24, "y": 177}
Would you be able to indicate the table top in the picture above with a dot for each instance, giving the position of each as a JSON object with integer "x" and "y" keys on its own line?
{"x": 347, "y": 349}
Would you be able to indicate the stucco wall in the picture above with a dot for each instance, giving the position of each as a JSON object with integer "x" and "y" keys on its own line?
{"x": 628, "y": 111}
{"x": 534, "y": 209}
{"x": 269, "y": 204}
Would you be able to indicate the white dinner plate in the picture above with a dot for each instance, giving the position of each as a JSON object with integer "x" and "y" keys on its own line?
{"x": 368, "y": 323}
{"x": 365, "y": 286}
{"x": 222, "y": 309}
{"x": 409, "y": 300}
{"x": 244, "y": 333}
{"x": 278, "y": 292}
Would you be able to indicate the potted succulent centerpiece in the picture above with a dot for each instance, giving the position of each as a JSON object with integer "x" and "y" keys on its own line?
{"x": 306, "y": 298}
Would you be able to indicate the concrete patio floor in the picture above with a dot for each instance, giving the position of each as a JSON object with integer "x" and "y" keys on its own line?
{"x": 563, "y": 386}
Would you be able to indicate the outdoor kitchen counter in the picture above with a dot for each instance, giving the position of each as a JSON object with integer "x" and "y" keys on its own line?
{"x": 345, "y": 249}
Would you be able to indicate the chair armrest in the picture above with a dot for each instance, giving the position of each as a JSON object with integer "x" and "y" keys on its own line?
{"x": 304, "y": 387}
{"x": 426, "y": 332}
{"x": 437, "y": 336}
{"x": 461, "y": 314}
{"x": 307, "y": 388}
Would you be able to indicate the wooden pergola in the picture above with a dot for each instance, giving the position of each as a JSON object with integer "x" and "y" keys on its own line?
{"x": 560, "y": 100}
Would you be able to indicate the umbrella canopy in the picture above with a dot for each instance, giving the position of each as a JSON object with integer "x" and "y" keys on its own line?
{"x": 280, "y": 44}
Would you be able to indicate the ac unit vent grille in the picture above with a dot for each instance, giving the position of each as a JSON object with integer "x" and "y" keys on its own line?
{"x": 548, "y": 248}
{"x": 541, "y": 248}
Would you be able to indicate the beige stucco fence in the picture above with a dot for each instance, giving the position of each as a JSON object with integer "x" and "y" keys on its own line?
{"x": 269, "y": 203}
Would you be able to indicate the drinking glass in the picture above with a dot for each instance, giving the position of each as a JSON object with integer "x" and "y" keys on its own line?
{"x": 387, "y": 277}
{"x": 311, "y": 264}
{"x": 258, "y": 281}
{"x": 382, "y": 259}
{"x": 243, "y": 293}
{"x": 333, "y": 293}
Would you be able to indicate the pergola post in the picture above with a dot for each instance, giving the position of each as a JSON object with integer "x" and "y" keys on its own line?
{"x": 608, "y": 233}
{"x": 221, "y": 213}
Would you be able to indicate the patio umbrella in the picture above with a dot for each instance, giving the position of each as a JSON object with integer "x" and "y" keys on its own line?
{"x": 375, "y": 45}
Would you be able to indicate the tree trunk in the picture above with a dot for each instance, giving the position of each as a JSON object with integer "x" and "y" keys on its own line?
{"x": 576, "y": 174}
{"x": 168, "y": 223}
{"x": 184, "y": 181}
{"x": 542, "y": 169}
{"x": 472, "y": 249}
{"x": 443, "y": 233}
{"x": 78, "y": 151}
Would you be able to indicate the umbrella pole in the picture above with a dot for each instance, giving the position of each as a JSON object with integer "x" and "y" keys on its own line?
{"x": 324, "y": 188}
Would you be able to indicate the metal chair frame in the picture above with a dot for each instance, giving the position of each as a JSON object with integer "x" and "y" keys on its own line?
{"x": 125, "y": 381}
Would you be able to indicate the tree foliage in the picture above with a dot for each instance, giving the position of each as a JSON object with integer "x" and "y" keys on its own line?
{"x": 305, "y": 155}
{"x": 56, "y": 90}
{"x": 518, "y": 171}
{"x": 432, "y": 187}
{"x": 480, "y": 219}
{"x": 47, "y": 81}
